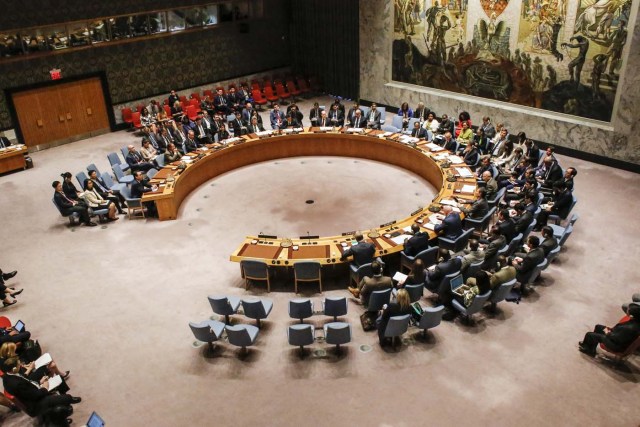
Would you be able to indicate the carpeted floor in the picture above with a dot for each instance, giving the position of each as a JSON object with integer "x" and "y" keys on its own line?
{"x": 113, "y": 305}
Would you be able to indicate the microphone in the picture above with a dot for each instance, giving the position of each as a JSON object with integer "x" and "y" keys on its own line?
{"x": 308, "y": 237}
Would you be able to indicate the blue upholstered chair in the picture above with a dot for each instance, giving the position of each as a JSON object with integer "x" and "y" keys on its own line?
{"x": 224, "y": 305}
{"x": 334, "y": 306}
{"x": 257, "y": 309}
{"x": 431, "y": 317}
{"x": 207, "y": 331}
{"x": 255, "y": 270}
{"x": 397, "y": 326}
{"x": 242, "y": 335}
{"x": 300, "y": 308}
{"x": 378, "y": 298}
{"x": 476, "y": 306}
{"x": 501, "y": 293}
{"x": 301, "y": 335}
{"x": 415, "y": 291}
{"x": 307, "y": 271}
{"x": 337, "y": 333}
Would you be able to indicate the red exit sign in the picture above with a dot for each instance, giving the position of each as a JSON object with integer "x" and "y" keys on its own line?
{"x": 56, "y": 74}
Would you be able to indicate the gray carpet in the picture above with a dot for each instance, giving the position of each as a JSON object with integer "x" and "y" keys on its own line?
{"x": 113, "y": 305}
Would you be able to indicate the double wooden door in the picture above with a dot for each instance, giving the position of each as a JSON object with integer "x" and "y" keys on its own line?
{"x": 62, "y": 112}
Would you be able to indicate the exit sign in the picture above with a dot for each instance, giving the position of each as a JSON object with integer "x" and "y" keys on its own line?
{"x": 56, "y": 74}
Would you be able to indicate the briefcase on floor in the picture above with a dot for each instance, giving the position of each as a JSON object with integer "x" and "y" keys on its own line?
{"x": 368, "y": 320}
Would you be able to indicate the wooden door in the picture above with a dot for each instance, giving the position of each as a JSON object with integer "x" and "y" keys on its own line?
{"x": 62, "y": 112}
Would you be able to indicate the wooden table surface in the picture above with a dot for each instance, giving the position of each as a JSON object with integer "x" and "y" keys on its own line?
{"x": 372, "y": 145}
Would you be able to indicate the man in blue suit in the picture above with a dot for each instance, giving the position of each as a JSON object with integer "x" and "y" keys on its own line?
{"x": 451, "y": 226}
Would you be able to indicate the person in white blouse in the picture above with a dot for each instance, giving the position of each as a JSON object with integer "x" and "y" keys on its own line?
{"x": 95, "y": 201}
{"x": 147, "y": 151}
{"x": 431, "y": 123}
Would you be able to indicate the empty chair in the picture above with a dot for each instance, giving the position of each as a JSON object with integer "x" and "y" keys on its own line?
{"x": 397, "y": 326}
{"x": 135, "y": 117}
{"x": 458, "y": 244}
{"x": 415, "y": 291}
{"x": 383, "y": 114}
{"x": 307, "y": 271}
{"x": 93, "y": 167}
{"x": 127, "y": 116}
{"x": 300, "y": 308}
{"x": 428, "y": 257}
{"x": 501, "y": 293}
{"x": 224, "y": 305}
{"x": 431, "y": 317}
{"x": 151, "y": 173}
{"x": 358, "y": 273}
{"x": 556, "y": 219}
{"x": 81, "y": 177}
{"x": 496, "y": 199}
{"x": 511, "y": 247}
{"x": 390, "y": 128}
{"x": 135, "y": 208}
{"x": 530, "y": 277}
{"x": 115, "y": 160}
{"x": 242, "y": 335}
{"x": 558, "y": 230}
{"x": 396, "y": 122}
{"x": 257, "y": 309}
{"x": 255, "y": 270}
{"x": 378, "y": 298}
{"x": 334, "y": 306}
{"x": 476, "y": 305}
{"x": 160, "y": 160}
{"x": 566, "y": 235}
{"x": 337, "y": 333}
{"x": 125, "y": 151}
{"x": 116, "y": 187}
{"x": 301, "y": 335}
{"x": 207, "y": 331}
{"x": 529, "y": 230}
{"x": 120, "y": 176}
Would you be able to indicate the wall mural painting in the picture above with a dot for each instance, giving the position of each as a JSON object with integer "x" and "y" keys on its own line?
{"x": 571, "y": 70}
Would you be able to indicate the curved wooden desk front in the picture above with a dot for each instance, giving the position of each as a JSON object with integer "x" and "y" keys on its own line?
{"x": 326, "y": 250}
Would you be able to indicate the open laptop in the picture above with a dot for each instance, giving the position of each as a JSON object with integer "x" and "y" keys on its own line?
{"x": 95, "y": 420}
{"x": 457, "y": 285}
{"x": 19, "y": 327}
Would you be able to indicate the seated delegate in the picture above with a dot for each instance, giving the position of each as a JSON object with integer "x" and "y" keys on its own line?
{"x": 399, "y": 307}
{"x": 68, "y": 206}
{"x": 617, "y": 338}
{"x": 369, "y": 284}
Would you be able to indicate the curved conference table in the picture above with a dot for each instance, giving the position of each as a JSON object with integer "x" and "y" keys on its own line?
{"x": 431, "y": 162}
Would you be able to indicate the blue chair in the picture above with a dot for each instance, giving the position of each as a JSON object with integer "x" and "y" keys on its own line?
{"x": 242, "y": 335}
{"x": 224, "y": 305}
{"x": 81, "y": 177}
{"x": 120, "y": 176}
{"x": 501, "y": 293}
{"x": 415, "y": 291}
{"x": 529, "y": 230}
{"x": 135, "y": 208}
{"x": 358, "y": 273}
{"x": 558, "y": 230}
{"x": 410, "y": 127}
{"x": 553, "y": 254}
{"x": 480, "y": 224}
{"x": 257, "y": 309}
{"x": 337, "y": 333}
{"x": 255, "y": 270}
{"x": 445, "y": 283}
{"x": 428, "y": 256}
{"x": 300, "y": 308}
{"x": 301, "y": 335}
{"x": 476, "y": 306}
{"x": 377, "y": 299}
{"x": 566, "y": 235}
{"x": 160, "y": 160}
{"x": 511, "y": 247}
{"x": 458, "y": 244}
{"x": 496, "y": 199}
{"x": 529, "y": 278}
{"x": 207, "y": 331}
{"x": 396, "y": 327}
{"x": 383, "y": 114}
{"x": 390, "y": 128}
{"x": 125, "y": 151}
{"x": 151, "y": 173}
{"x": 307, "y": 271}
{"x": 431, "y": 317}
{"x": 116, "y": 187}
{"x": 472, "y": 270}
{"x": 115, "y": 160}
{"x": 93, "y": 167}
{"x": 335, "y": 306}
{"x": 73, "y": 216}
{"x": 396, "y": 122}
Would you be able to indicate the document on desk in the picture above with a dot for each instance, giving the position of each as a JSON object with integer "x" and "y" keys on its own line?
{"x": 433, "y": 147}
{"x": 400, "y": 277}
{"x": 43, "y": 360}
{"x": 464, "y": 172}
{"x": 355, "y": 130}
{"x": 435, "y": 218}
{"x": 399, "y": 240}
{"x": 430, "y": 226}
{"x": 456, "y": 160}
{"x": 449, "y": 202}
{"x": 468, "y": 189}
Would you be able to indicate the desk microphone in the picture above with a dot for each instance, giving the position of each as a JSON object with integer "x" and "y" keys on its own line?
{"x": 308, "y": 237}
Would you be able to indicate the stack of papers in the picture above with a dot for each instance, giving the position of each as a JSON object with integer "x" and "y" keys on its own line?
{"x": 456, "y": 160}
{"x": 435, "y": 218}
{"x": 463, "y": 172}
{"x": 355, "y": 130}
{"x": 449, "y": 202}
{"x": 400, "y": 277}
{"x": 399, "y": 240}
{"x": 264, "y": 133}
{"x": 468, "y": 188}
{"x": 43, "y": 360}
{"x": 408, "y": 139}
{"x": 230, "y": 140}
{"x": 433, "y": 147}
{"x": 326, "y": 128}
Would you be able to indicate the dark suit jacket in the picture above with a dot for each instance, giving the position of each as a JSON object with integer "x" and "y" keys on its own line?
{"x": 445, "y": 126}
{"x": 478, "y": 209}
{"x": 508, "y": 229}
{"x": 434, "y": 278}
{"x": 27, "y": 392}
{"x": 549, "y": 244}
{"x": 451, "y": 226}
{"x": 471, "y": 158}
{"x": 134, "y": 158}
{"x": 361, "y": 124}
{"x": 553, "y": 175}
{"x": 529, "y": 262}
{"x": 314, "y": 116}
{"x": 375, "y": 124}
{"x": 523, "y": 221}
{"x": 138, "y": 188}
{"x": 339, "y": 117}
{"x": 237, "y": 127}
{"x": 622, "y": 335}
{"x": 416, "y": 244}
{"x": 362, "y": 252}
{"x": 4, "y": 142}
{"x": 491, "y": 252}
{"x": 191, "y": 145}
{"x": 259, "y": 128}
{"x": 421, "y": 114}
{"x": 61, "y": 201}
{"x": 562, "y": 204}
{"x": 419, "y": 133}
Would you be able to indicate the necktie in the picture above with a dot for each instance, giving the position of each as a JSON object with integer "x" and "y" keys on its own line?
{"x": 66, "y": 198}
{"x": 357, "y": 122}
{"x": 201, "y": 132}
{"x": 153, "y": 141}
{"x": 100, "y": 186}
{"x": 323, "y": 122}
{"x": 2, "y": 143}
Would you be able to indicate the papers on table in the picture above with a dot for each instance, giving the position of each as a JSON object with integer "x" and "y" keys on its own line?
{"x": 443, "y": 156}
{"x": 463, "y": 172}
{"x": 355, "y": 130}
{"x": 407, "y": 229}
{"x": 264, "y": 133}
{"x": 400, "y": 277}
{"x": 230, "y": 140}
{"x": 433, "y": 147}
{"x": 449, "y": 202}
{"x": 435, "y": 218}
{"x": 185, "y": 158}
{"x": 326, "y": 128}
{"x": 430, "y": 226}
{"x": 293, "y": 130}
{"x": 468, "y": 188}
{"x": 43, "y": 360}
{"x": 456, "y": 160}
{"x": 405, "y": 139}
{"x": 399, "y": 240}
{"x": 54, "y": 382}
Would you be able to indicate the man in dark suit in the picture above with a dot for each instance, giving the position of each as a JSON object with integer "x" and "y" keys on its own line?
{"x": 276, "y": 117}
{"x": 191, "y": 144}
{"x": 618, "y": 338}
{"x": 374, "y": 117}
{"x": 136, "y": 162}
{"x": 488, "y": 128}
{"x": 523, "y": 218}
{"x": 359, "y": 122}
{"x": 291, "y": 122}
{"x": 351, "y": 113}
{"x": 248, "y": 112}
{"x": 141, "y": 186}
{"x": 362, "y": 251}
{"x": 562, "y": 201}
{"x": 173, "y": 97}
{"x": 507, "y": 225}
{"x": 451, "y": 226}
{"x": 550, "y": 242}
{"x": 233, "y": 100}
{"x": 446, "y": 265}
{"x": 239, "y": 127}
{"x": 295, "y": 112}
{"x": 370, "y": 284}
{"x": 446, "y": 125}
{"x": 448, "y": 143}
{"x": 479, "y": 207}
{"x": 336, "y": 116}
{"x": 201, "y": 133}
{"x": 496, "y": 242}
{"x": 416, "y": 243}
{"x": 524, "y": 263}
{"x": 314, "y": 114}
{"x": 418, "y": 131}
{"x": 421, "y": 112}
{"x": 255, "y": 127}
{"x": 221, "y": 104}
{"x": 552, "y": 173}
{"x": 531, "y": 152}
{"x": 36, "y": 397}
{"x": 68, "y": 206}
{"x": 471, "y": 155}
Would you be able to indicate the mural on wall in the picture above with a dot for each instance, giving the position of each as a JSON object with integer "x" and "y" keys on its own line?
{"x": 555, "y": 60}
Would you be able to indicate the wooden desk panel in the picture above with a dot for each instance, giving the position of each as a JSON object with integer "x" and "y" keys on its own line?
{"x": 326, "y": 250}
{"x": 12, "y": 158}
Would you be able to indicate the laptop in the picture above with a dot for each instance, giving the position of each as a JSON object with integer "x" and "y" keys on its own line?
{"x": 457, "y": 285}
{"x": 19, "y": 327}
{"x": 95, "y": 420}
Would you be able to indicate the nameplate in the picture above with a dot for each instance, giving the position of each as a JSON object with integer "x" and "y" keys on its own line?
{"x": 387, "y": 224}
{"x": 309, "y": 237}
{"x": 349, "y": 233}
{"x": 416, "y": 212}
{"x": 266, "y": 236}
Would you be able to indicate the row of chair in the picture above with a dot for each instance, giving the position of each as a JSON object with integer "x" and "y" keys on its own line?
{"x": 256, "y": 309}
{"x": 210, "y": 331}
